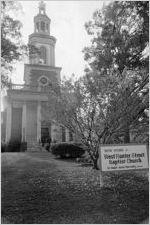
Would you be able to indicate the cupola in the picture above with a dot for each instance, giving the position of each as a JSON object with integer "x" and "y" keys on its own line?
{"x": 42, "y": 21}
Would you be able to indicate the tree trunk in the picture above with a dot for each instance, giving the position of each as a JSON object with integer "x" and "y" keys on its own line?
{"x": 94, "y": 157}
{"x": 127, "y": 136}
{"x": 95, "y": 164}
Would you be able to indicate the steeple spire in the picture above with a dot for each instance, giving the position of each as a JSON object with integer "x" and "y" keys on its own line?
{"x": 41, "y": 7}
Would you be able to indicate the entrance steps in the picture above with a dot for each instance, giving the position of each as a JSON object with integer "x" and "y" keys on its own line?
{"x": 33, "y": 146}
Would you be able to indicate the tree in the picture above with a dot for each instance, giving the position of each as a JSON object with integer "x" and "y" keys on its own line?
{"x": 99, "y": 111}
{"x": 11, "y": 44}
{"x": 77, "y": 111}
{"x": 120, "y": 35}
{"x": 12, "y": 47}
{"x": 127, "y": 106}
{"x": 112, "y": 98}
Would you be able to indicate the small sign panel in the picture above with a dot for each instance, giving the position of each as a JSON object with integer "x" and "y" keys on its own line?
{"x": 123, "y": 157}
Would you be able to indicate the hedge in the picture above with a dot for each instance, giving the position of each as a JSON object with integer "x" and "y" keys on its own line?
{"x": 67, "y": 150}
{"x": 14, "y": 146}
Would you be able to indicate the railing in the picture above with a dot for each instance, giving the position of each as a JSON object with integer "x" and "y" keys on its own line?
{"x": 30, "y": 88}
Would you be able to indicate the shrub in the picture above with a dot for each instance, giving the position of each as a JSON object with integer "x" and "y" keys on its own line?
{"x": 85, "y": 160}
{"x": 3, "y": 146}
{"x": 13, "y": 146}
{"x": 67, "y": 150}
{"x": 16, "y": 146}
{"x": 47, "y": 147}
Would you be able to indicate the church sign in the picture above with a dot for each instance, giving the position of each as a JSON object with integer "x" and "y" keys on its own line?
{"x": 123, "y": 157}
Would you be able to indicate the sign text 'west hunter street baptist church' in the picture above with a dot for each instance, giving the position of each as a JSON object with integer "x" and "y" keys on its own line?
{"x": 123, "y": 157}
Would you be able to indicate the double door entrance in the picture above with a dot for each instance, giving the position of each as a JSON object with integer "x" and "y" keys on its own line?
{"x": 45, "y": 133}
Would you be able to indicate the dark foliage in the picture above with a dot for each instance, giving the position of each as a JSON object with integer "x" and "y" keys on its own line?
{"x": 15, "y": 146}
{"x": 47, "y": 147}
{"x": 3, "y": 147}
{"x": 11, "y": 43}
{"x": 120, "y": 35}
{"x": 66, "y": 150}
{"x": 85, "y": 160}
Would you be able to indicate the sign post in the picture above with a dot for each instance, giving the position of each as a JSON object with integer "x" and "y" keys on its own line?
{"x": 100, "y": 167}
{"x": 123, "y": 157}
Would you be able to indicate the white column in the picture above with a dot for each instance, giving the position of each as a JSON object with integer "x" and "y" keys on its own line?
{"x": 8, "y": 122}
{"x": 53, "y": 55}
{"x": 24, "y": 122}
{"x": 39, "y": 121}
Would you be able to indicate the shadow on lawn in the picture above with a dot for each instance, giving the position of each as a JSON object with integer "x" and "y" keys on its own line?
{"x": 74, "y": 160}
{"x": 129, "y": 197}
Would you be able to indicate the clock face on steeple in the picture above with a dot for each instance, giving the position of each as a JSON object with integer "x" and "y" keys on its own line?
{"x": 43, "y": 80}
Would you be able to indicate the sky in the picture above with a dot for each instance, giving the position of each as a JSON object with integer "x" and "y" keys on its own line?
{"x": 67, "y": 26}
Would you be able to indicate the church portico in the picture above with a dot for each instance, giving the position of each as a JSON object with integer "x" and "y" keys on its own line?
{"x": 28, "y": 118}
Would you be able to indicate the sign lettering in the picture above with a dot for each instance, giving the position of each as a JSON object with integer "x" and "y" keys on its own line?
{"x": 123, "y": 157}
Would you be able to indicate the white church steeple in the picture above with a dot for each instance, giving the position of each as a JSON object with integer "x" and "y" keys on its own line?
{"x": 42, "y": 39}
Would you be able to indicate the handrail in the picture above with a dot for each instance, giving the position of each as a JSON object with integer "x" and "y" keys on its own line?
{"x": 25, "y": 87}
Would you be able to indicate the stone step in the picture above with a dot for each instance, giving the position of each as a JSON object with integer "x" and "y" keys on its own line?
{"x": 33, "y": 149}
{"x": 33, "y": 146}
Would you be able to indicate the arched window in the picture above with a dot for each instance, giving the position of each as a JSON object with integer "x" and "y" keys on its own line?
{"x": 42, "y": 26}
{"x": 42, "y": 11}
{"x": 43, "y": 55}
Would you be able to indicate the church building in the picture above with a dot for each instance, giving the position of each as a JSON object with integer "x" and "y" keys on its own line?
{"x": 26, "y": 106}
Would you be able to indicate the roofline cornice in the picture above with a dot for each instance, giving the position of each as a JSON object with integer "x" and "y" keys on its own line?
{"x": 43, "y": 66}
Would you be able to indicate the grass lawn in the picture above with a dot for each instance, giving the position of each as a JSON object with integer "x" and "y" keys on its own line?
{"x": 38, "y": 189}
